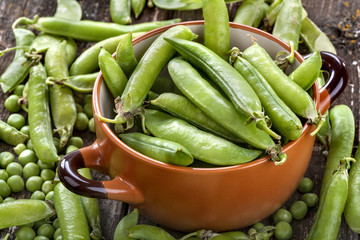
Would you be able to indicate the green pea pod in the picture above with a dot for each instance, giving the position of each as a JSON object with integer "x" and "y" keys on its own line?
{"x": 331, "y": 206}
{"x": 125, "y": 55}
{"x": 251, "y": 12}
{"x": 71, "y": 48}
{"x": 79, "y": 83}
{"x": 288, "y": 23}
{"x": 127, "y": 222}
{"x": 18, "y": 69}
{"x": 216, "y": 29}
{"x": 272, "y": 14}
{"x": 113, "y": 75}
{"x": 68, "y": 9}
{"x": 352, "y": 207}
{"x": 120, "y": 11}
{"x": 159, "y": 149}
{"x": 88, "y": 30}
{"x": 281, "y": 116}
{"x": 149, "y": 67}
{"x": 87, "y": 62}
{"x": 11, "y": 135}
{"x": 342, "y": 139}
{"x": 182, "y": 4}
{"x": 183, "y": 108}
{"x": 149, "y": 232}
{"x": 284, "y": 87}
{"x": 24, "y": 211}
{"x": 91, "y": 209}
{"x": 236, "y": 235}
{"x": 198, "y": 142}
{"x": 308, "y": 71}
{"x": 230, "y": 81}
{"x": 72, "y": 218}
{"x": 39, "y": 115}
{"x": 217, "y": 107}
{"x": 137, "y": 7}
{"x": 62, "y": 102}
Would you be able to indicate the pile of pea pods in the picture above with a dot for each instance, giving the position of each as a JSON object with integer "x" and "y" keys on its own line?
{"x": 53, "y": 88}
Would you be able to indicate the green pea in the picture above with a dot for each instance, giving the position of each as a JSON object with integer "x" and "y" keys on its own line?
{"x": 16, "y": 183}
{"x": 57, "y": 233}
{"x": 82, "y": 121}
{"x": 76, "y": 141}
{"x": 47, "y": 187}
{"x": 31, "y": 169}
{"x": 27, "y": 156}
{"x": 79, "y": 108}
{"x": 88, "y": 98}
{"x": 257, "y": 226}
{"x": 71, "y": 148}
{"x": 298, "y": 210}
{"x": 1, "y": 199}
{"x": 47, "y": 174}
{"x": 16, "y": 120}
{"x": 88, "y": 110}
{"x": 282, "y": 215}
{"x": 50, "y": 196}
{"x": 283, "y": 231}
{"x": 305, "y": 185}
{"x": 41, "y": 238}
{"x": 31, "y": 224}
{"x": 25, "y": 130}
{"x": 19, "y": 90}
{"x": 14, "y": 168}
{"x": 4, "y": 189}
{"x": 91, "y": 125}
{"x": 46, "y": 230}
{"x": 9, "y": 199}
{"x": 11, "y": 104}
{"x": 45, "y": 165}
{"x": 56, "y": 224}
{"x": 34, "y": 184}
{"x": 39, "y": 223}
{"x": 59, "y": 238}
{"x": 25, "y": 233}
{"x": 19, "y": 148}
{"x": 4, "y": 175}
{"x": 39, "y": 195}
{"x": 311, "y": 199}
{"x": 29, "y": 145}
{"x": 57, "y": 144}
{"x": 6, "y": 158}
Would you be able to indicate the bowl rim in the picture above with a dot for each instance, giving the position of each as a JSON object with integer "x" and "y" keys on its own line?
{"x": 263, "y": 160}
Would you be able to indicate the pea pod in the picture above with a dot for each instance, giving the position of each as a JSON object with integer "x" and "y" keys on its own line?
{"x": 183, "y": 108}
{"x": 120, "y": 11}
{"x": 72, "y": 218}
{"x": 216, "y": 29}
{"x": 226, "y": 77}
{"x": 342, "y": 139}
{"x": 157, "y": 148}
{"x": 11, "y": 135}
{"x": 127, "y": 222}
{"x": 288, "y": 22}
{"x": 272, "y": 14}
{"x": 88, "y": 30}
{"x": 125, "y": 55}
{"x": 23, "y": 211}
{"x": 68, "y": 9}
{"x": 213, "y": 104}
{"x": 282, "y": 118}
{"x": 149, "y": 232}
{"x": 79, "y": 83}
{"x": 137, "y": 7}
{"x": 251, "y": 12}
{"x": 198, "y": 142}
{"x": 182, "y": 4}
{"x": 39, "y": 115}
{"x": 331, "y": 206}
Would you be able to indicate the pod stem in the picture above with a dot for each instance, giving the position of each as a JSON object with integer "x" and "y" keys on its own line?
{"x": 284, "y": 62}
{"x": 276, "y": 155}
{"x": 201, "y": 234}
{"x": 117, "y": 120}
{"x": 233, "y": 54}
{"x": 319, "y": 122}
{"x": 13, "y": 48}
{"x": 24, "y": 22}
{"x": 261, "y": 124}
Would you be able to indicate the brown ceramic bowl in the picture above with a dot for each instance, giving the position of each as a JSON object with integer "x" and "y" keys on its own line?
{"x": 192, "y": 198}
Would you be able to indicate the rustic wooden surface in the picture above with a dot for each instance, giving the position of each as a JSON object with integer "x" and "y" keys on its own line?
{"x": 325, "y": 13}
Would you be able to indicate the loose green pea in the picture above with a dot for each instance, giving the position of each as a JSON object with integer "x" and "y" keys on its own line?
{"x": 305, "y": 185}
{"x": 82, "y": 121}
{"x": 16, "y": 183}
{"x": 283, "y": 231}
{"x": 11, "y": 104}
{"x": 47, "y": 174}
{"x": 4, "y": 175}
{"x": 57, "y": 144}
{"x": 71, "y": 148}
{"x": 25, "y": 233}
{"x": 29, "y": 145}
{"x": 16, "y": 120}
{"x": 45, "y": 165}
{"x": 39, "y": 223}
{"x": 39, "y": 195}
{"x": 59, "y": 238}
{"x": 56, "y": 224}
{"x": 88, "y": 98}
{"x": 9, "y": 199}
{"x": 298, "y": 210}
{"x": 57, "y": 233}
{"x": 91, "y": 125}
{"x": 1, "y": 200}
{"x": 4, "y": 189}
{"x": 88, "y": 110}
{"x": 46, "y": 230}
{"x": 41, "y": 238}
{"x": 31, "y": 169}
{"x": 47, "y": 187}
{"x": 6, "y": 158}
{"x": 25, "y": 130}
{"x": 31, "y": 224}
{"x": 19, "y": 90}
{"x": 14, "y": 168}
{"x": 27, "y": 156}
{"x": 50, "y": 196}
{"x": 19, "y": 148}
{"x": 257, "y": 226}
{"x": 282, "y": 215}
{"x": 311, "y": 199}
{"x": 79, "y": 108}
{"x": 76, "y": 141}
{"x": 34, "y": 184}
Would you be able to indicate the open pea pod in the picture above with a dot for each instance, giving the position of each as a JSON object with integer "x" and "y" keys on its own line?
{"x": 182, "y": 4}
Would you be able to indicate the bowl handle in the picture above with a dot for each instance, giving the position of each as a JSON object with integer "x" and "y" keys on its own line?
{"x": 338, "y": 79}
{"x": 89, "y": 157}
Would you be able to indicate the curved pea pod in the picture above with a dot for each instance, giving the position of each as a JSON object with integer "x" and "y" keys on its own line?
{"x": 331, "y": 206}
{"x": 341, "y": 142}
{"x": 288, "y": 22}
{"x": 79, "y": 83}
{"x": 284, "y": 87}
{"x": 11, "y": 135}
{"x": 113, "y": 75}
{"x": 149, "y": 232}
{"x": 125, "y": 55}
{"x": 68, "y": 9}
{"x": 183, "y": 108}
{"x": 251, "y": 12}
{"x": 137, "y": 7}
{"x": 213, "y": 104}
{"x": 225, "y": 76}
{"x": 283, "y": 119}
{"x": 24, "y": 211}
{"x": 202, "y": 145}
{"x": 308, "y": 71}
{"x": 72, "y": 218}
{"x": 272, "y": 13}
{"x": 149, "y": 67}
{"x": 157, "y": 148}
{"x": 39, "y": 115}
{"x": 127, "y": 222}
{"x": 88, "y": 61}
{"x": 120, "y": 11}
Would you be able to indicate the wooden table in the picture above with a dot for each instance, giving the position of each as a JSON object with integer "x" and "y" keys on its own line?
{"x": 325, "y": 13}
